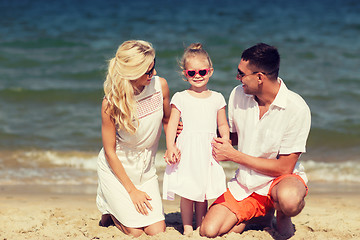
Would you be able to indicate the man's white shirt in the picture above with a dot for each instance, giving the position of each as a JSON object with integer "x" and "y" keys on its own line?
{"x": 283, "y": 129}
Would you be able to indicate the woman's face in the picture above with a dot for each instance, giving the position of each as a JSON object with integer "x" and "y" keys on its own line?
{"x": 145, "y": 79}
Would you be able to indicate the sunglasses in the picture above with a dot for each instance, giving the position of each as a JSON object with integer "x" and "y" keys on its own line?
{"x": 241, "y": 74}
{"x": 201, "y": 72}
{"x": 151, "y": 71}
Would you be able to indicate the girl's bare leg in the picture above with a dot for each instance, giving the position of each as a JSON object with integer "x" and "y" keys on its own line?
{"x": 200, "y": 212}
{"x": 187, "y": 210}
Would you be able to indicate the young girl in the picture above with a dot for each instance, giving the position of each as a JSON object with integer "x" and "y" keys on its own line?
{"x": 192, "y": 173}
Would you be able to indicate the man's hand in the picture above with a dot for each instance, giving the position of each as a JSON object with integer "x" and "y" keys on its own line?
{"x": 221, "y": 149}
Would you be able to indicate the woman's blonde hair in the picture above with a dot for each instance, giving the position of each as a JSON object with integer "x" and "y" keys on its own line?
{"x": 131, "y": 61}
{"x": 194, "y": 49}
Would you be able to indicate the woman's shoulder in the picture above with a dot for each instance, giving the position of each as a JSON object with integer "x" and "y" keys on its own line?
{"x": 105, "y": 102}
{"x": 162, "y": 81}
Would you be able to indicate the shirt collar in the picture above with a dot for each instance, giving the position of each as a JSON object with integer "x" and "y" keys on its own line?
{"x": 281, "y": 97}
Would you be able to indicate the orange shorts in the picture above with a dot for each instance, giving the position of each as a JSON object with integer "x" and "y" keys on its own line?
{"x": 253, "y": 206}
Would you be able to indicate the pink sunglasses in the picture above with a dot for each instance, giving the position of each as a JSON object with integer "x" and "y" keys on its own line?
{"x": 201, "y": 72}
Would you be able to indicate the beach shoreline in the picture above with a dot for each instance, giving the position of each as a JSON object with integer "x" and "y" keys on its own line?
{"x": 63, "y": 212}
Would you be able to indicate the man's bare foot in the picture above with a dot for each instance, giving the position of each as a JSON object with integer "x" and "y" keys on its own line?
{"x": 284, "y": 225}
{"x": 264, "y": 221}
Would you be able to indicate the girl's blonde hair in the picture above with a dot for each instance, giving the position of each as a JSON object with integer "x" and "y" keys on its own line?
{"x": 131, "y": 61}
{"x": 194, "y": 49}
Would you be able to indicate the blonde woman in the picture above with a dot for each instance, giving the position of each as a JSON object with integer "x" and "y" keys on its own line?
{"x": 135, "y": 105}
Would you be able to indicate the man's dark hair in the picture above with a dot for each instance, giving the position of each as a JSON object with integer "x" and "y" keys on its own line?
{"x": 264, "y": 58}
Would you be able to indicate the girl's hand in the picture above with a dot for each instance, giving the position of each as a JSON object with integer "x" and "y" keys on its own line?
{"x": 167, "y": 158}
{"x": 172, "y": 155}
{"x": 141, "y": 201}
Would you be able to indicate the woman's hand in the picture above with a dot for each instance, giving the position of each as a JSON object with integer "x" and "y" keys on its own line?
{"x": 141, "y": 201}
{"x": 172, "y": 155}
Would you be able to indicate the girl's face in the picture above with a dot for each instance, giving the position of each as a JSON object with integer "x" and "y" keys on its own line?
{"x": 197, "y": 72}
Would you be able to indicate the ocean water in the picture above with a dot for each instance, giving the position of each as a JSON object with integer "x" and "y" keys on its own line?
{"x": 53, "y": 59}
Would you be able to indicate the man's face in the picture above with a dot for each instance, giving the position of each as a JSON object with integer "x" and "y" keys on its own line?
{"x": 248, "y": 78}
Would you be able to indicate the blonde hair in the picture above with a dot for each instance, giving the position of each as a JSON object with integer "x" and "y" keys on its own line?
{"x": 194, "y": 50}
{"x": 131, "y": 61}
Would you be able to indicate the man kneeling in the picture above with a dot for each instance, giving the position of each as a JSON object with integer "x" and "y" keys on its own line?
{"x": 270, "y": 124}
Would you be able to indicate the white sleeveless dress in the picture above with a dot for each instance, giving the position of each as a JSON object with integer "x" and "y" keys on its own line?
{"x": 197, "y": 176}
{"x": 137, "y": 155}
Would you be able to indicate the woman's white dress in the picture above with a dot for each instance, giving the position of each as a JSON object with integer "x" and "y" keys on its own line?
{"x": 197, "y": 176}
{"x": 137, "y": 155}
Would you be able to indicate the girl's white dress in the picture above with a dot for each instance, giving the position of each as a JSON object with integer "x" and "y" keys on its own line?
{"x": 137, "y": 154}
{"x": 197, "y": 176}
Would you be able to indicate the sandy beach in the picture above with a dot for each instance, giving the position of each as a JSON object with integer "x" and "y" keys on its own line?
{"x": 53, "y": 212}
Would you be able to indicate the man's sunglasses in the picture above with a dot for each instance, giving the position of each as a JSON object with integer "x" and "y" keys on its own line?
{"x": 241, "y": 74}
{"x": 151, "y": 71}
{"x": 201, "y": 72}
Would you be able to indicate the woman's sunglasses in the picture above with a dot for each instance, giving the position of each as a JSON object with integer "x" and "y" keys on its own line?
{"x": 151, "y": 71}
{"x": 201, "y": 72}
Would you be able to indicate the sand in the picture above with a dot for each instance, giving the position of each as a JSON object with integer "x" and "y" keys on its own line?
{"x": 54, "y": 212}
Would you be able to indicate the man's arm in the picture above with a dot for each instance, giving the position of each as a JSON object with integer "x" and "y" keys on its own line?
{"x": 223, "y": 151}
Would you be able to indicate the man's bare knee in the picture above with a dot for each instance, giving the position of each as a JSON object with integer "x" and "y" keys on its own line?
{"x": 219, "y": 220}
{"x": 209, "y": 227}
{"x": 291, "y": 201}
{"x": 292, "y": 207}
{"x": 208, "y": 230}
